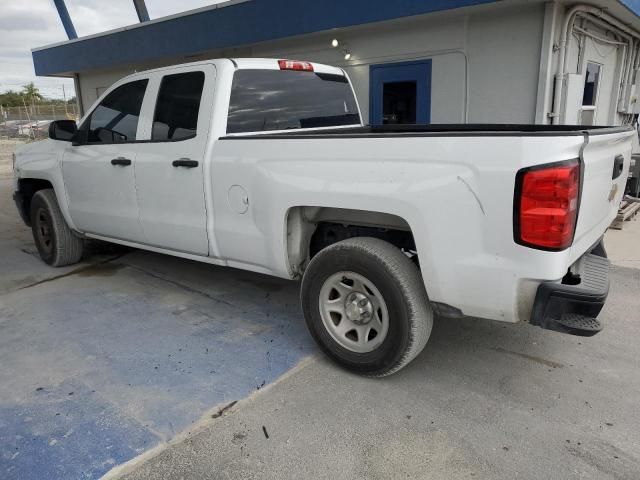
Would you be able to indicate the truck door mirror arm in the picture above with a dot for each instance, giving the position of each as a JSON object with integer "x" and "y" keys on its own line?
{"x": 79, "y": 138}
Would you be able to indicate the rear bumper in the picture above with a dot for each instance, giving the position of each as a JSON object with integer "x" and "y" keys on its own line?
{"x": 573, "y": 308}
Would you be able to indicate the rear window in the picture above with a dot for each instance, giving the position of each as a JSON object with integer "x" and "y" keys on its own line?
{"x": 266, "y": 100}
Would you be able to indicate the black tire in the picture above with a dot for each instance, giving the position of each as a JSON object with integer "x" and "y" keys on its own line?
{"x": 397, "y": 279}
{"x": 57, "y": 244}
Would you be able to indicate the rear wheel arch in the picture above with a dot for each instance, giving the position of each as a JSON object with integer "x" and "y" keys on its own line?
{"x": 309, "y": 229}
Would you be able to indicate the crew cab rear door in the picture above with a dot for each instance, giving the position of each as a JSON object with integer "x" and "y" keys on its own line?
{"x": 170, "y": 167}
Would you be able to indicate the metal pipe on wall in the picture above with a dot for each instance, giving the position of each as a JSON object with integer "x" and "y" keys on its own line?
{"x": 627, "y": 58}
{"x": 567, "y": 28}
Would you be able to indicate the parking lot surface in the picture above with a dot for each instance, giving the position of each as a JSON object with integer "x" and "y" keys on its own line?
{"x": 142, "y": 366}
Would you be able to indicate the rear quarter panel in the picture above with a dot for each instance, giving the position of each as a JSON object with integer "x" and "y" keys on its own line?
{"x": 455, "y": 192}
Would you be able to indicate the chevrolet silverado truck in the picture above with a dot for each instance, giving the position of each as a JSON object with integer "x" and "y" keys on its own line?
{"x": 265, "y": 165}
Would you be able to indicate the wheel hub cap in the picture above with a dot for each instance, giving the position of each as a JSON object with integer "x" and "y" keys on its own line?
{"x": 354, "y": 312}
{"x": 358, "y": 308}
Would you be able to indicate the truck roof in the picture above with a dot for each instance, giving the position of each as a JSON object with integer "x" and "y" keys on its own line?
{"x": 243, "y": 64}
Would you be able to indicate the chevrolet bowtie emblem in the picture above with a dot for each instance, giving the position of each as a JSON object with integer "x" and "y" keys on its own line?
{"x": 614, "y": 192}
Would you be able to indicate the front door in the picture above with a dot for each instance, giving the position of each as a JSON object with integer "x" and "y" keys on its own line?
{"x": 400, "y": 93}
{"x": 170, "y": 169}
{"x": 98, "y": 168}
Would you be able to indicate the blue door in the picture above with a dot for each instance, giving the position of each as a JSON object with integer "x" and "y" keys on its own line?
{"x": 400, "y": 93}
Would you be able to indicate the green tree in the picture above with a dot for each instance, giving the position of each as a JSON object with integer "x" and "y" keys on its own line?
{"x": 11, "y": 98}
{"x": 31, "y": 93}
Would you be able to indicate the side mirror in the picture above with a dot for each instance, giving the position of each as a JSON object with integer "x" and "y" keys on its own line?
{"x": 63, "y": 130}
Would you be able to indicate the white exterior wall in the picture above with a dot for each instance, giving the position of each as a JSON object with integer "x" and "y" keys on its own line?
{"x": 504, "y": 61}
{"x": 581, "y": 50}
{"x": 485, "y": 61}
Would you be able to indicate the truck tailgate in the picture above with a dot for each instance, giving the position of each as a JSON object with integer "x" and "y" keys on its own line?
{"x": 604, "y": 157}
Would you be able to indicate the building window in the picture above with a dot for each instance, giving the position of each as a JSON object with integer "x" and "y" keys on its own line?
{"x": 177, "y": 108}
{"x": 399, "y": 102}
{"x": 591, "y": 82}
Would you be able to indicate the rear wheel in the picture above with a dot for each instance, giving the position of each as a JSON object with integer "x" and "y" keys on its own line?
{"x": 57, "y": 244}
{"x": 365, "y": 305}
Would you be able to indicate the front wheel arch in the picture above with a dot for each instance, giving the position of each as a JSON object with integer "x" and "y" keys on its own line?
{"x": 27, "y": 188}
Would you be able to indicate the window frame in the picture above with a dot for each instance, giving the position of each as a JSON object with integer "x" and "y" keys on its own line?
{"x": 86, "y": 121}
{"x": 156, "y": 96}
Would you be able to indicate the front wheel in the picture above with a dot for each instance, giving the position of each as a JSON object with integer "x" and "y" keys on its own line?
{"x": 57, "y": 244}
{"x": 365, "y": 305}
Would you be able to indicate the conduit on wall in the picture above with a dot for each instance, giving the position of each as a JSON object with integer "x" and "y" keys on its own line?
{"x": 631, "y": 53}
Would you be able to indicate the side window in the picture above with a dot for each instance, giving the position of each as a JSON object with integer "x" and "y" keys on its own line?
{"x": 177, "y": 108}
{"x": 115, "y": 120}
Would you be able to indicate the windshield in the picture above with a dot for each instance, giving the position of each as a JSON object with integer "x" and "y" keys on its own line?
{"x": 266, "y": 100}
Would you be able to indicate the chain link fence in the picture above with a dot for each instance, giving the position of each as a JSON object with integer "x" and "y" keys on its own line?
{"x": 32, "y": 122}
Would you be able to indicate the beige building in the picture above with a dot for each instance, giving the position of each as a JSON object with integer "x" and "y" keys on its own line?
{"x": 442, "y": 61}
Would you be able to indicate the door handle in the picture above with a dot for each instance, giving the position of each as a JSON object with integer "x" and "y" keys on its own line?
{"x": 618, "y": 166}
{"x": 185, "y": 162}
{"x": 121, "y": 161}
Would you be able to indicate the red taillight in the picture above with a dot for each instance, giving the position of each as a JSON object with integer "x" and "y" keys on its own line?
{"x": 295, "y": 65}
{"x": 546, "y": 205}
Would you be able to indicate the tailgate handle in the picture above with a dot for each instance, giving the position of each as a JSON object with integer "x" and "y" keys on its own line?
{"x": 618, "y": 166}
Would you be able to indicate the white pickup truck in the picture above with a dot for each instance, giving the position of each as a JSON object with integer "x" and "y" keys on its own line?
{"x": 264, "y": 165}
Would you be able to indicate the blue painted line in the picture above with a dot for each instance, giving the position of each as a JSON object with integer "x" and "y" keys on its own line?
{"x": 58, "y": 435}
{"x": 97, "y": 370}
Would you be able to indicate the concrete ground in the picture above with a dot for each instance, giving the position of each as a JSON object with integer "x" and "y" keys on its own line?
{"x": 129, "y": 365}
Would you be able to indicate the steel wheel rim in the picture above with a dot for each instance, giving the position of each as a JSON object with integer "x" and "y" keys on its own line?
{"x": 354, "y": 312}
{"x": 43, "y": 230}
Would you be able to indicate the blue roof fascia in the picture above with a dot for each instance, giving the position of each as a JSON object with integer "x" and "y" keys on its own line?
{"x": 633, "y": 5}
{"x": 233, "y": 25}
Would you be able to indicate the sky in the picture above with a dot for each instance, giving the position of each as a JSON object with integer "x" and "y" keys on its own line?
{"x": 27, "y": 24}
